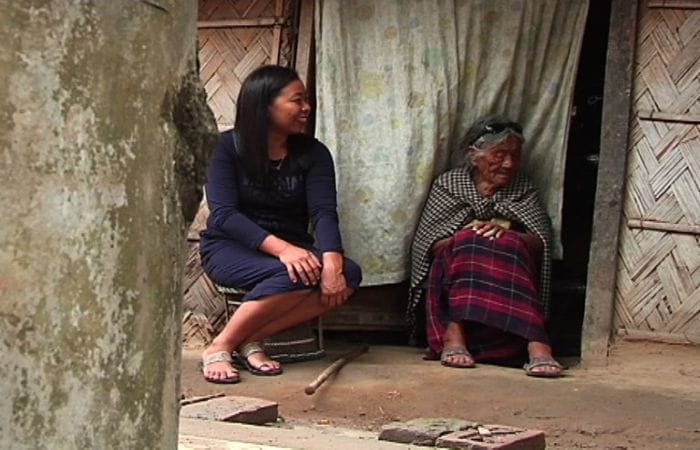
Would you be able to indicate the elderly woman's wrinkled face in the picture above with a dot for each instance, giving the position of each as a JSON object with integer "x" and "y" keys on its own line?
{"x": 497, "y": 164}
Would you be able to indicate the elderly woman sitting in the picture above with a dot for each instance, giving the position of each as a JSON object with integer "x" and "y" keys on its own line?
{"x": 482, "y": 244}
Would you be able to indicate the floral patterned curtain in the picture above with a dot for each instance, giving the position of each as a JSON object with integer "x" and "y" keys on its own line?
{"x": 400, "y": 81}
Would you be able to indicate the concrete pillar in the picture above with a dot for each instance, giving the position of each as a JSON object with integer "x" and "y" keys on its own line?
{"x": 91, "y": 230}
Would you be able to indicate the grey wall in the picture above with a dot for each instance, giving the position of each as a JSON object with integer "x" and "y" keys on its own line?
{"x": 96, "y": 120}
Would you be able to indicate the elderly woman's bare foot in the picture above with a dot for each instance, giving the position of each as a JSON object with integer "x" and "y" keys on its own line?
{"x": 542, "y": 363}
{"x": 454, "y": 348}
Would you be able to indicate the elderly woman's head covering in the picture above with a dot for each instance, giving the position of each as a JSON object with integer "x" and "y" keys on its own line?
{"x": 490, "y": 130}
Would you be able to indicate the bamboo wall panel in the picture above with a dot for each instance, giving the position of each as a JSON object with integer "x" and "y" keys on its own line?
{"x": 204, "y": 308}
{"x": 228, "y": 54}
{"x": 658, "y": 282}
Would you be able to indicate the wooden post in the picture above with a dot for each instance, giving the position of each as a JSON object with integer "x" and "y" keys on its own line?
{"x": 277, "y": 33}
{"x": 305, "y": 37}
{"x": 602, "y": 266}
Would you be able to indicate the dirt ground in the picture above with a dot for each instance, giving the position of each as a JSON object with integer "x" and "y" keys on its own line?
{"x": 648, "y": 397}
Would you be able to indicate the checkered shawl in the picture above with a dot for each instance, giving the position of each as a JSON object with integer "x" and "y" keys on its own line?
{"x": 454, "y": 201}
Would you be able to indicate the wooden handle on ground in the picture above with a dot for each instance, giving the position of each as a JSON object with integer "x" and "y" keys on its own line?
{"x": 334, "y": 368}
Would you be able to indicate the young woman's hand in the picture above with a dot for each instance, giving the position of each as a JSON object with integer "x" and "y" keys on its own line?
{"x": 334, "y": 286}
{"x": 301, "y": 265}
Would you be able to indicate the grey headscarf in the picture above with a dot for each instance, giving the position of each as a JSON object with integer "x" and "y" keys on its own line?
{"x": 487, "y": 132}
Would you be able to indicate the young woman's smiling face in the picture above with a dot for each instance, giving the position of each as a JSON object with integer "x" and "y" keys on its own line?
{"x": 289, "y": 112}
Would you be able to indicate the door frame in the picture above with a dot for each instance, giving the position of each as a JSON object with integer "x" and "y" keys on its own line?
{"x": 610, "y": 188}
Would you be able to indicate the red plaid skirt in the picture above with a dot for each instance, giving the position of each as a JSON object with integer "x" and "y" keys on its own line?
{"x": 490, "y": 285}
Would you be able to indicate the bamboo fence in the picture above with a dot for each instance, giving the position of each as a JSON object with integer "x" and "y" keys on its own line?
{"x": 658, "y": 280}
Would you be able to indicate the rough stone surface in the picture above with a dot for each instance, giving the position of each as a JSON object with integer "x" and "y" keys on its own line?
{"x": 196, "y": 137}
{"x": 422, "y": 431}
{"x": 493, "y": 437}
{"x": 92, "y": 100}
{"x": 254, "y": 411}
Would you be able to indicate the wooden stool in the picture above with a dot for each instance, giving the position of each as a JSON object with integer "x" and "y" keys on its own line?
{"x": 299, "y": 343}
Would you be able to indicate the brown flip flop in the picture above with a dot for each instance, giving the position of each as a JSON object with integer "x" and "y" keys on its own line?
{"x": 264, "y": 369}
{"x": 543, "y": 362}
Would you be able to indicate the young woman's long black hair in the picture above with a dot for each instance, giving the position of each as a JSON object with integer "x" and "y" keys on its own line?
{"x": 257, "y": 93}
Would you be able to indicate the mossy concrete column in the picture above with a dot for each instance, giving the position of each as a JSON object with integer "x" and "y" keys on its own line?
{"x": 91, "y": 228}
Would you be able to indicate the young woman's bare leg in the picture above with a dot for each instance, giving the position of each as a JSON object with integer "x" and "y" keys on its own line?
{"x": 308, "y": 309}
{"x": 248, "y": 319}
{"x": 258, "y": 319}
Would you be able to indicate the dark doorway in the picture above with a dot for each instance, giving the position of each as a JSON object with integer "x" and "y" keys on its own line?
{"x": 569, "y": 285}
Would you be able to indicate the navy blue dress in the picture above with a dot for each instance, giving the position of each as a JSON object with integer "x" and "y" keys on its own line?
{"x": 243, "y": 213}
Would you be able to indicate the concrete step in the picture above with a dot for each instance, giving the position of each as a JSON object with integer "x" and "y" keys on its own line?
{"x": 198, "y": 434}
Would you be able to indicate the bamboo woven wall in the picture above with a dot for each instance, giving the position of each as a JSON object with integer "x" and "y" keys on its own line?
{"x": 227, "y": 54}
{"x": 229, "y": 49}
{"x": 204, "y": 308}
{"x": 658, "y": 282}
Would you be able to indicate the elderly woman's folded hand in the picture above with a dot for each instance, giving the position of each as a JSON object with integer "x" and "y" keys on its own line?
{"x": 489, "y": 230}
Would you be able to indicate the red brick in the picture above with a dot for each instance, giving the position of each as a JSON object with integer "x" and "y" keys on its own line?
{"x": 501, "y": 438}
{"x": 422, "y": 431}
{"x": 231, "y": 408}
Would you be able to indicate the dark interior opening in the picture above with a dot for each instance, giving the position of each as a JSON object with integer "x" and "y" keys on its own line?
{"x": 569, "y": 280}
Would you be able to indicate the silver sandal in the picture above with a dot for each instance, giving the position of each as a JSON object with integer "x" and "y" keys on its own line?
{"x": 215, "y": 358}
